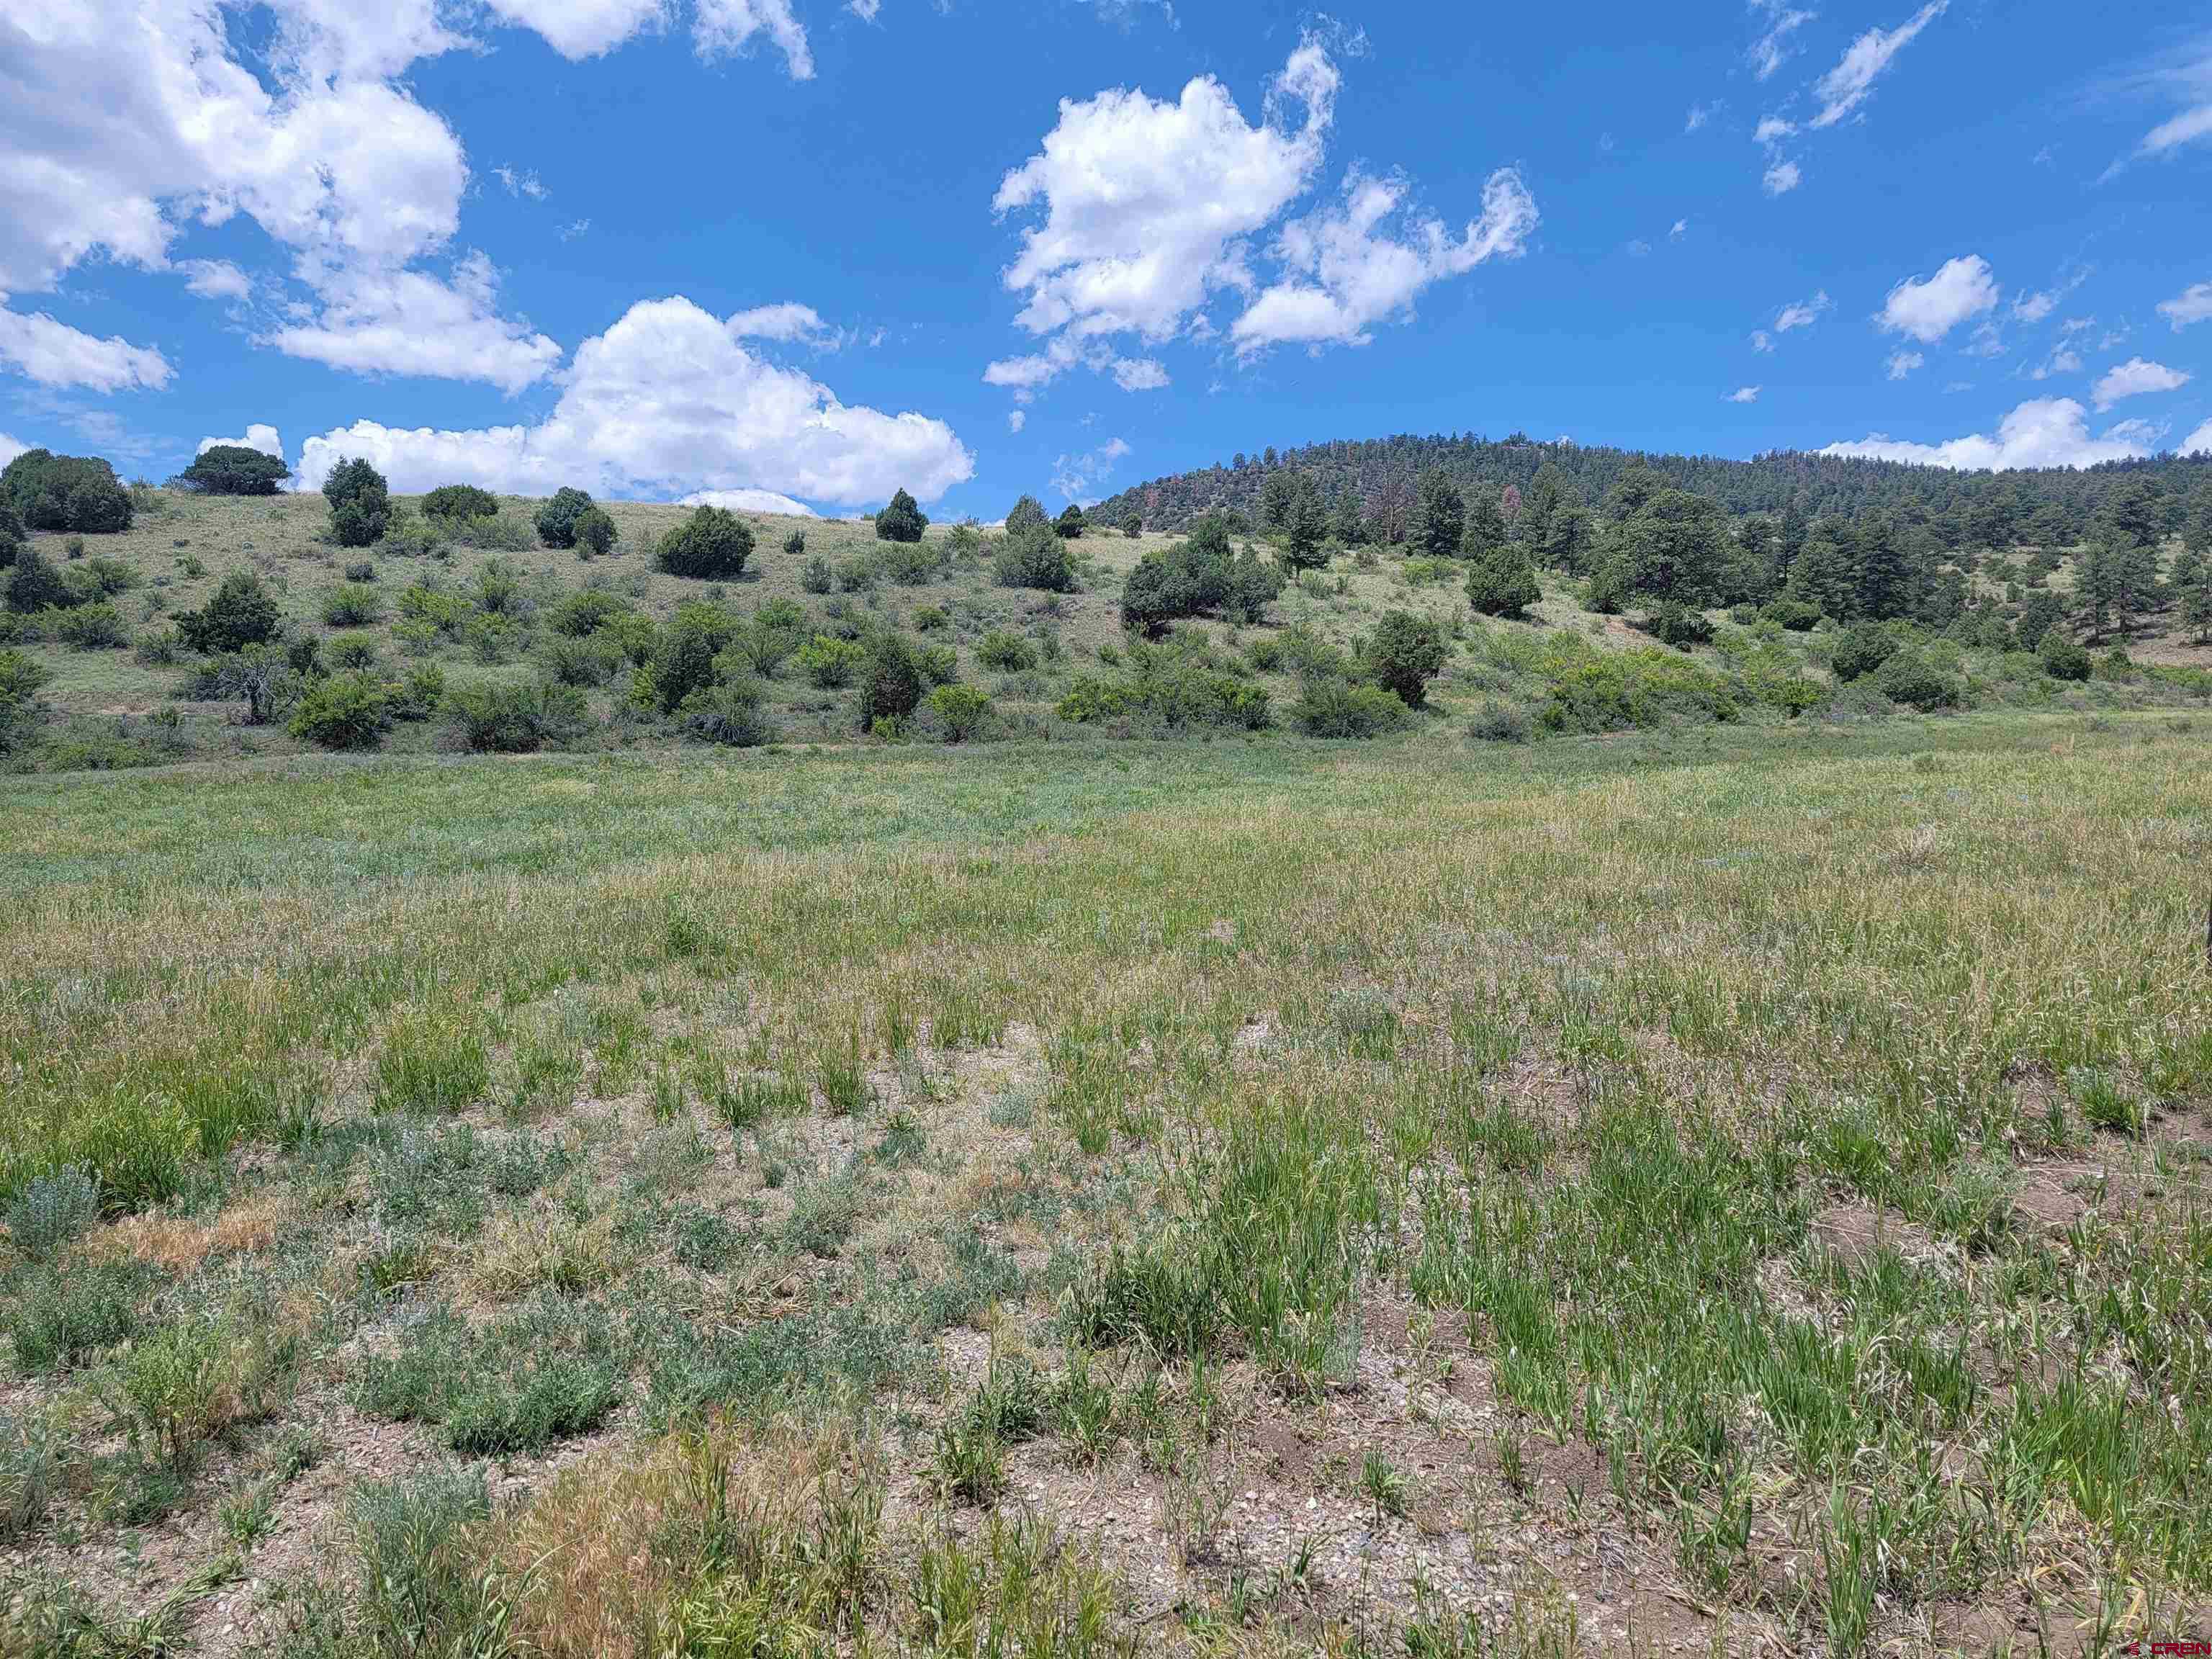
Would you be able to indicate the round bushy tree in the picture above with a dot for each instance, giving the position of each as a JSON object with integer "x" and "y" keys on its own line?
{"x": 66, "y": 492}
{"x": 1406, "y": 653}
{"x": 1028, "y": 514}
{"x": 1909, "y": 678}
{"x": 890, "y": 680}
{"x": 241, "y": 612}
{"x": 593, "y": 532}
{"x": 1035, "y": 558}
{"x": 902, "y": 520}
{"x": 1863, "y": 649}
{"x": 361, "y": 503}
{"x": 556, "y": 519}
{"x": 711, "y": 545}
{"x": 346, "y": 711}
{"x": 2062, "y": 657}
{"x": 232, "y": 470}
{"x": 460, "y": 501}
{"x": 1070, "y": 523}
{"x": 35, "y": 585}
{"x": 1504, "y": 584}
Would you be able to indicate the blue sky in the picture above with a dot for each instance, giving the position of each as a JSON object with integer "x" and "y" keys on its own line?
{"x": 800, "y": 251}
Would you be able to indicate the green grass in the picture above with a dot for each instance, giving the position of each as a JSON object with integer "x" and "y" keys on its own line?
{"x": 1701, "y": 1097}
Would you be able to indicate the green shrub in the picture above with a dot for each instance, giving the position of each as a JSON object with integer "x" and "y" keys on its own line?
{"x": 960, "y": 709}
{"x": 503, "y": 719}
{"x": 594, "y": 533}
{"x": 1499, "y": 722}
{"x": 794, "y": 544}
{"x": 1593, "y": 691}
{"x": 21, "y": 711}
{"x": 932, "y": 619}
{"x": 1679, "y": 625}
{"x": 1069, "y": 527}
{"x": 97, "y": 627}
{"x": 48, "y": 491}
{"x": 1033, "y": 558}
{"x": 51, "y": 1210}
{"x": 1028, "y": 513}
{"x": 1004, "y": 649}
{"x": 420, "y": 695}
{"x": 1502, "y": 583}
{"x": 711, "y": 545}
{"x": 890, "y": 680}
{"x": 855, "y": 575}
{"x": 459, "y": 500}
{"x": 1796, "y": 616}
{"x": 34, "y": 584}
{"x": 1861, "y": 650}
{"x": 732, "y": 713}
{"x": 501, "y": 533}
{"x": 1909, "y": 678}
{"x": 901, "y": 521}
{"x": 939, "y": 664}
{"x": 557, "y": 518}
{"x": 829, "y": 663}
{"x": 61, "y": 1314}
{"x": 241, "y": 612}
{"x": 360, "y": 570}
{"x": 1337, "y": 708}
{"x": 594, "y": 661}
{"x": 361, "y": 503}
{"x": 544, "y": 1373}
{"x": 2062, "y": 657}
{"x": 1406, "y": 653}
{"x": 232, "y": 470}
{"x": 355, "y": 604}
{"x": 816, "y": 577}
{"x": 580, "y": 614}
{"x": 345, "y": 712}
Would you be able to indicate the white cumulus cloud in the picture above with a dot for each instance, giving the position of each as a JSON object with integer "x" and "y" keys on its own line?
{"x": 1742, "y": 394}
{"x": 1351, "y": 266}
{"x": 670, "y": 402}
{"x": 11, "y": 447}
{"x": 2043, "y": 432}
{"x": 257, "y": 436}
{"x": 2198, "y": 442}
{"x": 1804, "y": 314}
{"x": 786, "y": 321}
{"x": 1781, "y": 176}
{"x": 215, "y": 279}
{"x": 2192, "y": 305}
{"x": 2136, "y": 376}
{"x": 731, "y": 26}
{"x": 409, "y": 322}
{"x": 748, "y": 501}
{"x": 54, "y": 354}
{"x": 1929, "y": 308}
{"x": 577, "y": 29}
{"x": 1902, "y": 363}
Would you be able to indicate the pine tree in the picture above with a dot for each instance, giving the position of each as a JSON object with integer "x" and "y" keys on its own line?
{"x": 1485, "y": 531}
{"x": 1350, "y": 525}
{"x": 1305, "y": 528}
{"x": 1442, "y": 516}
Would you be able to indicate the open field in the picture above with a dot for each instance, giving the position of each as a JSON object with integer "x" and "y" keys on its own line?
{"x": 1695, "y": 1192}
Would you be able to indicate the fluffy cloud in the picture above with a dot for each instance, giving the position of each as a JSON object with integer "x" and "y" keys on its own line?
{"x": 1845, "y": 87}
{"x": 730, "y": 25}
{"x": 54, "y": 354}
{"x": 2045, "y": 432}
{"x": 1927, "y": 310}
{"x": 407, "y": 322}
{"x": 1902, "y": 363}
{"x": 215, "y": 279}
{"x": 1149, "y": 212}
{"x": 2134, "y": 377}
{"x": 1781, "y": 176}
{"x": 1346, "y": 269}
{"x": 2034, "y": 307}
{"x": 10, "y": 448}
{"x": 2063, "y": 360}
{"x": 577, "y": 29}
{"x": 1141, "y": 374}
{"x": 257, "y": 436}
{"x": 2192, "y": 305}
{"x": 2198, "y": 442}
{"x": 1742, "y": 394}
{"x": 1147, "y": 202}
{"x": 1016, "y": 421}
{"x": 748, "y": 501}
{"x": 1699, "y": 114}
{"x": 785, "y": 322}
{"x": 669, "y": 401}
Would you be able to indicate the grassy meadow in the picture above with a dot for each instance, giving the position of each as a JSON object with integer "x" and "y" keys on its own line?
{"x": 1717, "y": 1190}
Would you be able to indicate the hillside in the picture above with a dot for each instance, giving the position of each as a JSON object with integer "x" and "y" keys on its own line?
{"x": 1386, "y": 471}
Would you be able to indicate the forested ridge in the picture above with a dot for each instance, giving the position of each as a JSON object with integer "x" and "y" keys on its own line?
{"x": 1385, "y": 474}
